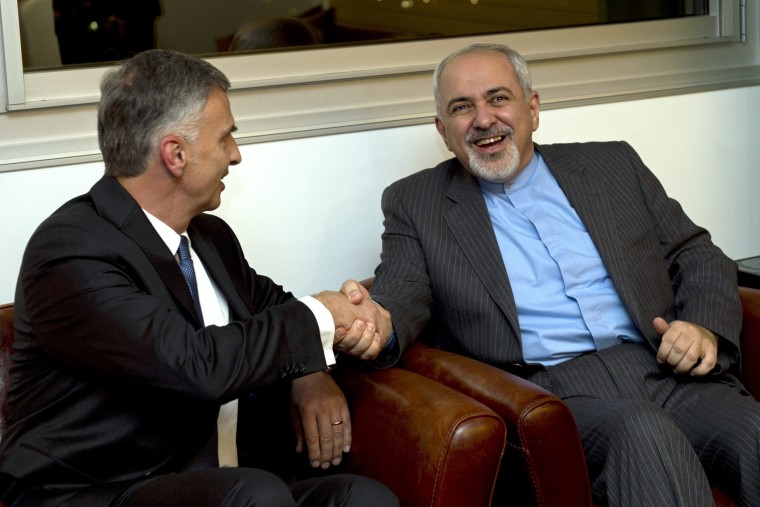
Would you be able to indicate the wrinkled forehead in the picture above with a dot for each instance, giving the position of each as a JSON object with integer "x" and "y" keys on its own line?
{"x": 476, "y": 73}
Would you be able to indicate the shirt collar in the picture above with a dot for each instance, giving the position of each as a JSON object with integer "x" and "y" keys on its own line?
{"x": 167, "y": 234}
{"x": 517, "y": 182}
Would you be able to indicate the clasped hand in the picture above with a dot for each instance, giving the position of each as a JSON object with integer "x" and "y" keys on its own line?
{"x": 687, "y": 347}
{"x": 362, "y": 327}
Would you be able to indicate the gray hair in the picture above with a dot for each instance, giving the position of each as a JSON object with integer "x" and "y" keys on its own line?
{"x": 516, "y": 59}
{"x": 150, "y": 95}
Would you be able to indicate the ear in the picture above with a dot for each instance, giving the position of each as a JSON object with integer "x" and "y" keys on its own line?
{"x": 535, "y": 105}
{"x": 173, "y": 155}
{"x": 442, "y": 130}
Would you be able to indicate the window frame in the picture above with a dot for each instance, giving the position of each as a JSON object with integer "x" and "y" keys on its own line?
{"x": 323, "y": 91}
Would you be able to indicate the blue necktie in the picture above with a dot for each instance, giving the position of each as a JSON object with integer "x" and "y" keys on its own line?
{"x": 186, "y": 266}
{"x": 208, "y": 455}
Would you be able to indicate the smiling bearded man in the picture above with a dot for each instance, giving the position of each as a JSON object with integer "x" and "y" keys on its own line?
{"x": 570, "y": 266}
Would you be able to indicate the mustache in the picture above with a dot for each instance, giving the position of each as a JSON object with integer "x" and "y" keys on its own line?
{"x": 497, "y": 130}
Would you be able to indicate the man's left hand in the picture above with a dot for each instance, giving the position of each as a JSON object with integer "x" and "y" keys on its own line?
{"x": 687, "y": 347}
{"x": 320, "y": 419}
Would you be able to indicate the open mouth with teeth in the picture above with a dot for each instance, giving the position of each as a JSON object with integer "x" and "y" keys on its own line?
{"x": 489, "y": 141}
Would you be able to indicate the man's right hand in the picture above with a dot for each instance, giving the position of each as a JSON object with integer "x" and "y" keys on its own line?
{"x": 363, "y": 327}
{"x": 686, "y": 346}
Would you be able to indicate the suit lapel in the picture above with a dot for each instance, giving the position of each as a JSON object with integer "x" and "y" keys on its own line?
{"x": 116, "y": 205}
{"x": 468, "y": 219}
{"x": 212, "y": 260}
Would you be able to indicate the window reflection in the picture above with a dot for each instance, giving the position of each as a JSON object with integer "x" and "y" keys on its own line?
{"x": 77, "y": 32}
{"x": 275, "y": 33}
{"x": 102, "y": 31}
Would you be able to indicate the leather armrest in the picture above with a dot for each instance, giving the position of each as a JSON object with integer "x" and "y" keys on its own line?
{"x": 544, "y": 463}
{"x": 6, "y": 348}
{"x": 431, "y": 445}
{"x": 750, "y": 340}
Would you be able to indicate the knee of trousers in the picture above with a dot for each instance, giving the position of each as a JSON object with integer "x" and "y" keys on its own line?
{"x": 742, "y": 429}
{"x": 251, "y": 487}
{"x": 366, "y": 492}
{"x": 215, "y": 487}
{"x": 634, "y": 424}
{"x": 736, "y": 442}
{"x": 346, "y": 490}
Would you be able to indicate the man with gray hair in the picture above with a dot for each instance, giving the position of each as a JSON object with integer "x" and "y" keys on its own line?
{"x": 141, "y": 330}
{"x": 570, "y": 266}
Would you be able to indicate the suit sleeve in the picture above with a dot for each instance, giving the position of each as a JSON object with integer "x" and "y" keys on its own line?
{"x": 702, "y": 276}
{"x": 402, "y": 283}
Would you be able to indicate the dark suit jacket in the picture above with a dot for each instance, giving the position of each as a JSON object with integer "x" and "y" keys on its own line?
{"x": 114, "y": 377}
{"x": 441, "y": 266}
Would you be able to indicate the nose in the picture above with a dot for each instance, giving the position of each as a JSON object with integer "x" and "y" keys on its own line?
{"x": 235, "y": 157}
{"x": 484, "y": 117}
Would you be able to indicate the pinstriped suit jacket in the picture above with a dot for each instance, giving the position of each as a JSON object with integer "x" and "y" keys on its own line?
{"x": 441, "y": 269}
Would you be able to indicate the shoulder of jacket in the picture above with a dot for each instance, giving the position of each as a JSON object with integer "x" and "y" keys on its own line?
{"x": 441, "y": 173}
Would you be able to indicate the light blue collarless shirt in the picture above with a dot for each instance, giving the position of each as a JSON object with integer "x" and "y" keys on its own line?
{"x": 566, "y": 302}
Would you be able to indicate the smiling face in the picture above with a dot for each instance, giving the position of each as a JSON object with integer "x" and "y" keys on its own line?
{"x": 485, "y": 119}
{"x": 209, "y": 158}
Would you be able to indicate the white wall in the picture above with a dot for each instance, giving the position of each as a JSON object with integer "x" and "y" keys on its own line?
{"x": 307, "y": 211}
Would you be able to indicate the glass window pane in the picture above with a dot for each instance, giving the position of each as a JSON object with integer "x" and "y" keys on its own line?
{"x": 77, "y": 32}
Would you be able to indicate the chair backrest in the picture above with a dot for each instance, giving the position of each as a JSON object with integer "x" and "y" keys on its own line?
{"x": 6, "y": 347}
{"x": 750, "y": 340}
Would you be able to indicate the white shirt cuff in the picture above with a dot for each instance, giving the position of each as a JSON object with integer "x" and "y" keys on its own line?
{"x": 326, "y": 326}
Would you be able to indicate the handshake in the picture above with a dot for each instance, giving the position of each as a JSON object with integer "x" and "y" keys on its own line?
{"x": 362, "y": 328}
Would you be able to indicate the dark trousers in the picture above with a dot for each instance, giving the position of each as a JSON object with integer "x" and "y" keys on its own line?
{"x": 654, "y": 438}
{"x": 216, "y": 487}
{"x": 249, "y": 487}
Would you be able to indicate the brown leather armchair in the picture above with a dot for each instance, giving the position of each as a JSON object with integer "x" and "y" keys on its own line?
{"x": 433, "y": 446}
{"x": 544, "y": 463}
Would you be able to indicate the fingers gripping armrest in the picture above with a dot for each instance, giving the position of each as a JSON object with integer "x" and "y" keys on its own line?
{"x": 431, "y": 445}
{"x": 544, "y": 463}
{"x": 750, "y": 340}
